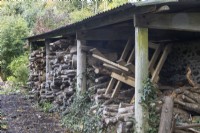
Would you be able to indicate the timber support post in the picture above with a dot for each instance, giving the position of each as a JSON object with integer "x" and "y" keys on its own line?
{"x": 47, "y": 42}
{"x": 141, "y": 74}
{"x": 81, "y": 67}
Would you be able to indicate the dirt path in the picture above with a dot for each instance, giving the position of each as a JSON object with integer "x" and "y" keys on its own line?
{"x": 21, "y": 117}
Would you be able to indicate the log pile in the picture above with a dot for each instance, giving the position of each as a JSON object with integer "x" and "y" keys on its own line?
{"x": 62, "y": 71}
{"x": 186, "y": 109}
{"x": 115, "y": 111}
{"x": 37, "y": 64}
{"x": 59, "y": 86}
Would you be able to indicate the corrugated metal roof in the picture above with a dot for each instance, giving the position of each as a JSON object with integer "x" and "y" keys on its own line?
{"x": 131, "y": 7}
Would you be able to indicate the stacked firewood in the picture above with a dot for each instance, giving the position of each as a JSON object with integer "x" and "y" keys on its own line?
{"x": 37, "y": 64}
{"x": 183, "y": 108}
{"x": 115, "y": 111}
{"x": 62, "y": 72}
{"x": 187, "y": 108}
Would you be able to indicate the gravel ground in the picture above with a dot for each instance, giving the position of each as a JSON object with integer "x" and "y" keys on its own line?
{"x": 22, "y": 117}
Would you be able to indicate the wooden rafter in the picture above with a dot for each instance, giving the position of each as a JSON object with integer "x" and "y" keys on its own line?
{"x": 170, "y": 21}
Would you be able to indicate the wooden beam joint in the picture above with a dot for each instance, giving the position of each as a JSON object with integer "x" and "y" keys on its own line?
{"x": 169, "y": 21}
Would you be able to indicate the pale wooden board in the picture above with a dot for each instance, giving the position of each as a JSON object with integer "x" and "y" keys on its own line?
{"x": 160, "y": 63}
{"x": 110, "y": 62}
{"x": 110, "y": 86}
{"x": 128, "y": 80}
{"x": 116, "y": 90}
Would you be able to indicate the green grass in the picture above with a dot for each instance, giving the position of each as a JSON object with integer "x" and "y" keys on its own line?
{"x": 45, "y": 106}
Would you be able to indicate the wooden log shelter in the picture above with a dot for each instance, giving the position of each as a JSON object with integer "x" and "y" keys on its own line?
{"x": 123, "y": 46}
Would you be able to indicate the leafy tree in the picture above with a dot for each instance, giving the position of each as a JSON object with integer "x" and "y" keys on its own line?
{"x": 19, "y": 69}
{"x": 80, "y": 15}
{"x": 13, "y": 30}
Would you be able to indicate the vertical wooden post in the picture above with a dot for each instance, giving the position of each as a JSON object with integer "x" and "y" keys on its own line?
{"x": 30, "y": 46}
{"x": 141, "y": 74}
{"x": 47, "y": 58}
{"x": 81, "y": 67}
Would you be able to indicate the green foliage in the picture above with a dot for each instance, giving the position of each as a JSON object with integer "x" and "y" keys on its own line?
{"x": 78, "y": 15}
{"x": 3, "y": 123}
{"x": 115, "y": 3}
{"x": 8, "y": 88}
{"x": 13, "y": 30}
{"x": 45, "y": 106}
{"x": 78, "y": 120}
{"x": 50, "y": 19}
{"x": 148, "y": 101}
{"x": 19, "y": 70}
{"x": 25, "y": 9}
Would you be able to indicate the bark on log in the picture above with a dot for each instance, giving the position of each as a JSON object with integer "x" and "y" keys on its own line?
{"x": 193, "y": 96}
{"x": 110, "y": 120}
{"x": 185, "y": 126}
{"x": 101, "y": 79}
{"x": 183, "y": 116}
{"x": 166, "y": 116}
{"x": 189, "y": 106}
{"x": 187, "y": 99}
{"x": 102, "y": 71}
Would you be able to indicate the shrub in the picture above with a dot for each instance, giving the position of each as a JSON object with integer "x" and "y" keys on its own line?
{"x": 13, "y": 30}
{"x": 19, "y": 70}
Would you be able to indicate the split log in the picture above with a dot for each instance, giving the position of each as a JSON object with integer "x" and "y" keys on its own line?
{"x": 107, "y": 102}
{"x": 181, "y": 131}
{"x": 129, "y": 109}
{"x": 93, "y": 108}
{"x": 106, "y": 113}
{"x": 193, "y": 96}
{"x": 121, "y": 127}
{"x": 181, "y": 89}
{"x": 101, "y": 91}
{"x": 110, "y": 109}
{"x": 102, "y": 71}
{"x": 166, "y": 116}
{"x": 189, "y": 106}
{"x": 187, "y": 99}
{"x": 98, "y": 86}
{"x": 183, "y": 116}
{"x": 185, "y": 126}
{"x": 110, "y": 120}
{"x": 101, "y": 79}
{"x": 125, "y": 117}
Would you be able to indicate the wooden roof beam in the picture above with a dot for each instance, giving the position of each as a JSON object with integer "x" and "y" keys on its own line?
{"x": 115, "y": 33}
{"x": 170, "y": 21}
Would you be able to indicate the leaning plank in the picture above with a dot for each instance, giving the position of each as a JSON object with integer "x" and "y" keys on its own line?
{"x": 153, "y": 59}
{"x": 110, "y": 86}
{"x": 153, "y": 45}
{"x": 131, "y": 67}
{"x": 132, "y": 56}
{"x": 166, "y": 115}
{"x": 110, "y": 62}
{"x": 97, "y": 52}
{"x": 128, "y": 80}
{"x": 160, "y": 63}
{"x": 116, "y": 90}
{"x": 127, "y": 48}
{"x": 114, "y": 69}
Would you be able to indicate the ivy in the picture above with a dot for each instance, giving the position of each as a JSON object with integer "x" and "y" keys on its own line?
{"x": 148, "y": 101}
{"x": 78, "y": 120}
